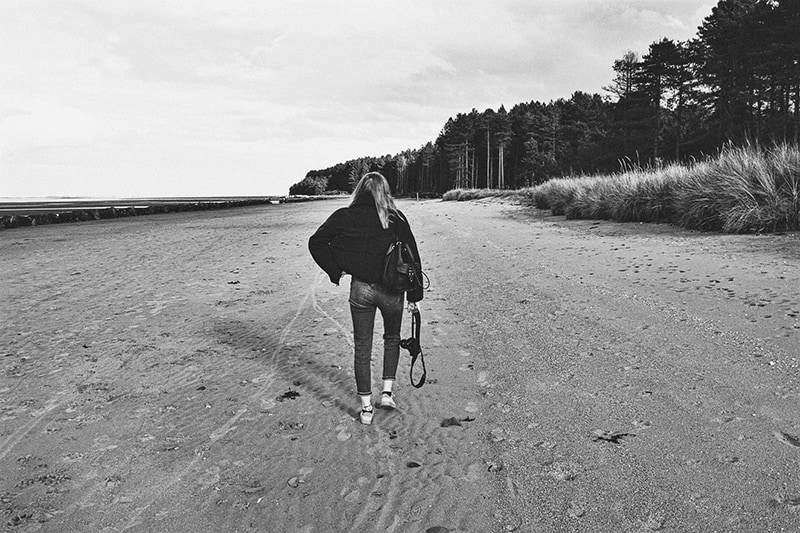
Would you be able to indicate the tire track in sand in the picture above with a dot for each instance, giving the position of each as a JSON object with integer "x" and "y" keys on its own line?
{"x": 177, "y": 421}
{"x": 195, "y": 420}
{"x": 18, "y": 435}
{"x": 427, "y": 475}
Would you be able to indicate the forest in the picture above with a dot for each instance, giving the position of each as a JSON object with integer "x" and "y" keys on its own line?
{"x": 736, "y": 82}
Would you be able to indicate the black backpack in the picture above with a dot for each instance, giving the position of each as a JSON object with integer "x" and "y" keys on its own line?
{"x": 402, "y": 270}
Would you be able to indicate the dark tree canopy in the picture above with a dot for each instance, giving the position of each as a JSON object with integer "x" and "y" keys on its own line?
{"x": 737, "y": 81}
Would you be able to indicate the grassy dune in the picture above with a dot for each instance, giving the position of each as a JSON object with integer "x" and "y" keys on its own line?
{"x": 746, "y": 189}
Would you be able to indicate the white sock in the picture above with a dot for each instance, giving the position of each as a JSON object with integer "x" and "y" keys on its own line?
{"x": 387, "y": 385}
{"x": 366, "y": 400}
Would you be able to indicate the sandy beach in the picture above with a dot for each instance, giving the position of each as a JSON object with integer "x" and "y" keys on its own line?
{"x": 193, "y": 372}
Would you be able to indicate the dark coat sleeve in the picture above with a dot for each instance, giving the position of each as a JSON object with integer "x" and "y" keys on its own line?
{"x": 319, "y": 246}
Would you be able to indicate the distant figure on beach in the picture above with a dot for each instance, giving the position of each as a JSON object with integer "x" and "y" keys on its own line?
{"x": 354, "y": 241}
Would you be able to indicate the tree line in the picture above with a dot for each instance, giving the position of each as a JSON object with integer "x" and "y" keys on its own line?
{"x": 737, "y": 81}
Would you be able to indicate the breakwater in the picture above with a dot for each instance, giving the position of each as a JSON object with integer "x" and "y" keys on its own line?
{"x": 19, "y": 214}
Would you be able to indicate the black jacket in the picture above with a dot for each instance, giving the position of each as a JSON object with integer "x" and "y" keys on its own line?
{"x": 352, "y": 240}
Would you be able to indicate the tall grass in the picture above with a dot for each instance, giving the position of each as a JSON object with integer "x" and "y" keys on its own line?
{"x": 462, "y": 195}
{"x": 747, "y": 189}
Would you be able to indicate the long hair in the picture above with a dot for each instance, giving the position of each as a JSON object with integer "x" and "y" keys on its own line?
{"x": 375, "y": 185}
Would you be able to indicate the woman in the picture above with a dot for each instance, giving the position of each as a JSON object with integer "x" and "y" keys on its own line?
{"x": 354, "y": 241}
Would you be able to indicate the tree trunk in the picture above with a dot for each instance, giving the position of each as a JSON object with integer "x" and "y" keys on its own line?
{"x": 797, "y": 108}
{"x": 655, "y": 133}
{"x": 500, "y": 176}
{"x": 472, "y": 180}
{"x": 488, "y": 162}
{"x": 468, "y": 167}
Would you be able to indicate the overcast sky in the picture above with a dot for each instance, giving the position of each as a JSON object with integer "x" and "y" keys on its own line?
{"x": 141, "y": 98}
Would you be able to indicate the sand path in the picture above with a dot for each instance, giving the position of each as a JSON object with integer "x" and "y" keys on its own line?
{"x": 192, "y": 372}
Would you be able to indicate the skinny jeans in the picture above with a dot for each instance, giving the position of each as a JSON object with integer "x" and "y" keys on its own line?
{"x": 365, "y": 298}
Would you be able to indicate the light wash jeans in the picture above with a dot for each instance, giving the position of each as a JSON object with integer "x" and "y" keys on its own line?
{"x": 365, "y": 298}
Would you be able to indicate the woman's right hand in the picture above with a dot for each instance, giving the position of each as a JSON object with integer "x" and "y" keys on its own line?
{"x": 412, "y": 307}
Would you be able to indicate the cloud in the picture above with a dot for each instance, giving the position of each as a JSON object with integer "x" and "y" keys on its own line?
{"x": 33, "y": 124}
{"x": 259, "y": 88}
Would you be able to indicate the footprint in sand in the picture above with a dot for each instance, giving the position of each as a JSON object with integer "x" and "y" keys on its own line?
{"x": 575, "y": 510}
{"x": 342, "y": 433}
{"x": 510, "y": 520}
{"x": 475, "y": 472}
{"x": 352, "y": 496}
{"x": 300, "y": 478}
{"x": 563, "y": 470}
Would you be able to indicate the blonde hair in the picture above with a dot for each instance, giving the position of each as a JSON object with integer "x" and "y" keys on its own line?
{"x": 374, "y": 184}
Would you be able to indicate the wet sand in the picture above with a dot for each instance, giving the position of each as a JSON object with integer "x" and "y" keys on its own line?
{"x": 193, "y": 371}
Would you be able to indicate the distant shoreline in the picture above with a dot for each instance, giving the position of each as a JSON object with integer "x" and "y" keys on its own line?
{"x": 13, "y": 205}
{"x": 39, "y": 211}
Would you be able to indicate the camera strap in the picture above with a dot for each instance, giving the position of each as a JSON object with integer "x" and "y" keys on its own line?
{"x": 415, "y": 350}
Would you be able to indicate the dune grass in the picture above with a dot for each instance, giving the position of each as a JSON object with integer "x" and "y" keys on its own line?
{"x": 461, "y": 195}
{"x": 746, "y": 189}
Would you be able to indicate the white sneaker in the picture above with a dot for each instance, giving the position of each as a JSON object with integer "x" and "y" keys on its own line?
{"x": 366, "y": 415}
{"x": 387, "y": 402}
